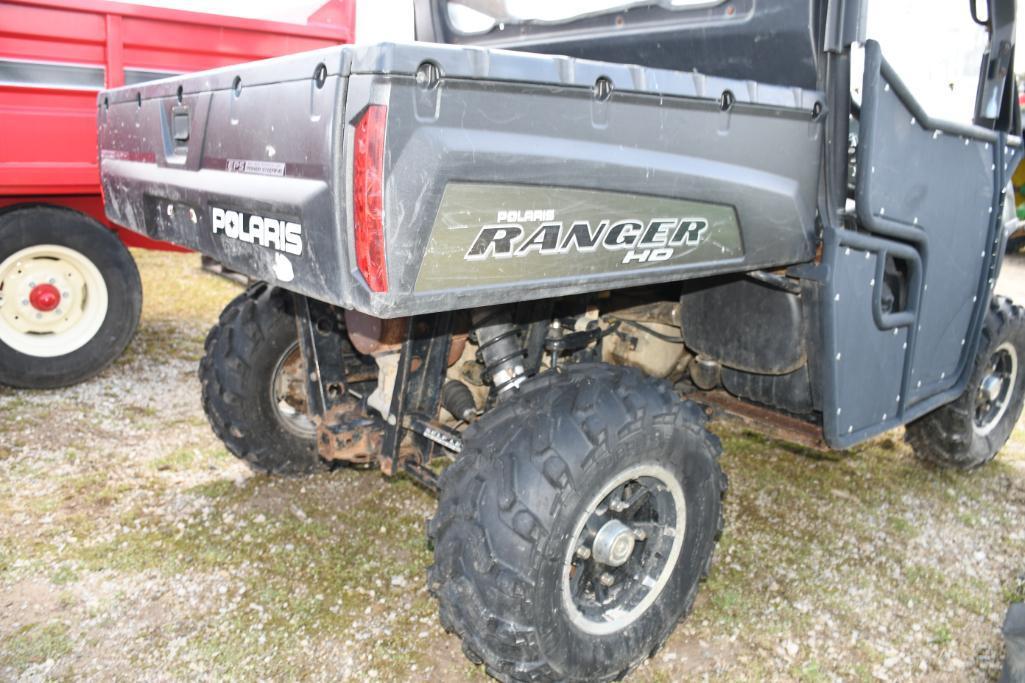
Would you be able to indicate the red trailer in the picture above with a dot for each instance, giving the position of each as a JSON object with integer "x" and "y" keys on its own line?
{"x": 70, "y": 293}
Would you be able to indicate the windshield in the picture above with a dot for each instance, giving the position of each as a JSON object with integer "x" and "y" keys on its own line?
{"x": 474, "y": 17}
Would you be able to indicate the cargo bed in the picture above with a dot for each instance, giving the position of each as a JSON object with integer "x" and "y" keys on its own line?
{"x": 405, "y": 179}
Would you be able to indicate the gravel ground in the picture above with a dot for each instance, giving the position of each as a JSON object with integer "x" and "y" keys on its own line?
{"x": 132, "y": 546}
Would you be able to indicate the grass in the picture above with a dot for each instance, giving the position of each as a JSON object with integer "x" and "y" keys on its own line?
{"x": 64, "y": 575}
{"x": 1015, "y": 590}
{"x": 178, "y": 305}
{"x": 304, "y": 567}
{"x": 138, "y": 531}
{"x": 186, "y": 459}
{"x": 35, "y": 644}
{"x": 941, "y": 635}
{"x": 797, "y": 532}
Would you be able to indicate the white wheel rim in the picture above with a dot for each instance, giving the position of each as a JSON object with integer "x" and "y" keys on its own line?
{"x": 30, "y": 276}
{"x": 619, "y": 621}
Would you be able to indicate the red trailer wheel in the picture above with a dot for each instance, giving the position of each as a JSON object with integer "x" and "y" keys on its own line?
{"x": 70, "y": 297}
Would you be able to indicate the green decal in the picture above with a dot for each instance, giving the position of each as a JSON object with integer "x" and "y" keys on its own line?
{"x": 499, "y": 234}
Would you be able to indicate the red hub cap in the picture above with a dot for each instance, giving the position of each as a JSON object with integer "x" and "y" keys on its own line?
{"x": 44, "y": 297}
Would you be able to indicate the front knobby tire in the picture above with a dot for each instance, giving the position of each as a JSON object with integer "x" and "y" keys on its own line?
{"x": 245, "y": 350}
{"x": 969, "y": 432}
{"x": 572, "y": 454}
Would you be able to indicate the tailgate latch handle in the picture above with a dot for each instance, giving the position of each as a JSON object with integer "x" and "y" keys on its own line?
{"x": 180, "y": 124}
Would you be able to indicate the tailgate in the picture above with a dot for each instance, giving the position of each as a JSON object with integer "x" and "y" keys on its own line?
{"x": 403, "y": 179}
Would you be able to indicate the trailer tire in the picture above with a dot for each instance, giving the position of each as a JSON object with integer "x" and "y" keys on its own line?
{"x": 531, "y": 481}
{"x": 969, "y": 432}
{"x": 70, "y": 297}
{"x": 245, "y": 351}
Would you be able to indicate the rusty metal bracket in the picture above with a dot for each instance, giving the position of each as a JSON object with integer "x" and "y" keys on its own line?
{"x": 772, "y": 422}
{"x": 410, "y": 438}
{"x": 348, "y": 434}
{"x": 344, "y": 430}
{"x": 423, "y": 363}
{"x": 321, "y": 331}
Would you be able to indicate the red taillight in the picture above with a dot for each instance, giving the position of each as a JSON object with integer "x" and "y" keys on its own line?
{"x": 368, "y": 195}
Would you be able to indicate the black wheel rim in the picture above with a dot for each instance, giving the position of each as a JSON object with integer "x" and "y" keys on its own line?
{"x": 641, "y": 511}
{"x": 994, "y": 391}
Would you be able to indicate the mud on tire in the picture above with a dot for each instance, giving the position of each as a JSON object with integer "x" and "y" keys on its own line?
{"x": 965, "y": 434}
{"x": 255, "y": 333}
{"x": 509, "y": 509}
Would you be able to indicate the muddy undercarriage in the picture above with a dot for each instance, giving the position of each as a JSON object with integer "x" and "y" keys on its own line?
{"x": 410, "y": 386}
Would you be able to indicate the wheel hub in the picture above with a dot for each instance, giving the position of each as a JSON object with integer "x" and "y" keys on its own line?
{"x": 991, "y": 387}
{"x": 614, "y": 543}
{"x": 36, "y": 289}
{"x": 44, "y": 297}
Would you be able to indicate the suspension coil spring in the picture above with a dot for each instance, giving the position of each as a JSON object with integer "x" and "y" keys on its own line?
{"x": 500, "y": 347}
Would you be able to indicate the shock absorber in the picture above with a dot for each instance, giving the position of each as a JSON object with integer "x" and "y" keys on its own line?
{"x": 500, "y": 347}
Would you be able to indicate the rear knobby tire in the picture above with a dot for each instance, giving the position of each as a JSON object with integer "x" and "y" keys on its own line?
{"x": 510, "y": 513}
{"x": 256, "y": 331}
{"x": 963, "y": 434}
{"x": 83, "y": 259}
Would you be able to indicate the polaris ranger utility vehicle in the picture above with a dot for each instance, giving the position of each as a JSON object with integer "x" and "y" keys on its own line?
{"x": 517, "y": 257}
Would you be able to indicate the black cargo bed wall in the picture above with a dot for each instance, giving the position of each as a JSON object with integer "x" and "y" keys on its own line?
{"x": 770, "y": 41}
{"x": 499, "y": 130}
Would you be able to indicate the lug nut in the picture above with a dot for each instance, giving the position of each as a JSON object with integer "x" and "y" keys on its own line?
{"x": 583, "y": 552}
{"x": 639, "y": 534}
{"x": 618, "y": 505}
{"x": 606, "y": 579}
